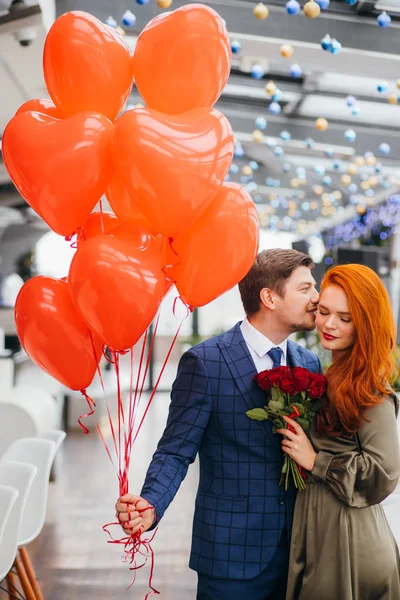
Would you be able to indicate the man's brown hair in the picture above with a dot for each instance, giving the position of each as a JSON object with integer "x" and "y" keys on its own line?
{"x": 271, "y": 269}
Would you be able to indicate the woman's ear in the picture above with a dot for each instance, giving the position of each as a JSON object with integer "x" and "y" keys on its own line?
{"x": 267, "y": 298}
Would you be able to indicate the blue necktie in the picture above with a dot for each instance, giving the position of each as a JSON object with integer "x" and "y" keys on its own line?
{"x": 276, "y": 355}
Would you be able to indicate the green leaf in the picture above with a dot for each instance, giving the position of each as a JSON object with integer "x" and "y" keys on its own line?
{"x": 276, "y": 395}
{"x": 258, "y": 414}
{"x": 304, "y": 424}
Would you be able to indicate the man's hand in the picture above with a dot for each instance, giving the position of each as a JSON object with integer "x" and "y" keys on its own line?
{"x": 132, "y": 514}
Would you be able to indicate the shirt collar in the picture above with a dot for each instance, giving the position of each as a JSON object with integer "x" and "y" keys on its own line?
{"x": 259, "y": 342}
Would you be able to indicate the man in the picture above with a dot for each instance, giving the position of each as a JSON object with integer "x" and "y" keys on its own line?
{"x": 242, "y": 517}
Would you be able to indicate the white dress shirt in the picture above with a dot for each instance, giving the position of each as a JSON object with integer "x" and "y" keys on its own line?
{"x": 259, "y": 345}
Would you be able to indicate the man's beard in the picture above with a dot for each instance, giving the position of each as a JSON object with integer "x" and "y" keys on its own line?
{"x": 304, "y": 326}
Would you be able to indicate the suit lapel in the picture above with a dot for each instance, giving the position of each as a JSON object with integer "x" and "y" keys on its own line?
{"x": 294, "y": 356}
{"x": 239, "y": 362}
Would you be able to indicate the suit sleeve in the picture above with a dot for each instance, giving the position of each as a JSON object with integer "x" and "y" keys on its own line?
{"x": 361, "y": 479}
{"x": 188, "y": 418}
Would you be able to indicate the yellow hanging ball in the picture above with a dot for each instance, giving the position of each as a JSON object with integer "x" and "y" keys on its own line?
{"x": 321, "y": 124}
{"x": 318, "y": 190}
{"x": 371, "y": 161}
{"x": 345, "y": 179}
{"x": 286, "y": 50}
{"x": 295, "y": 182}
{"x": 260, "y": 11}
{"x": 337, "y": 195}
{"x": 360, "y": 161}
{"x": 164, "y": 3}
{"x": 270, "y": 88}
{"x": 353, "y": 169}
{"x": 361, "y": 209}
{"x": 311, "y": 9}
{"x": 313, "y": 205}
{"x": 258, "y": 136}
{"x": 247, "y": 170}
{"x": 398, "y": 84}
{"x": 373, "y": 181}
{"x": 392, "y": 98}
{"x": 139, "y": 105}
{"x": 365, "y": 185}
{"x": 120, "y": 30}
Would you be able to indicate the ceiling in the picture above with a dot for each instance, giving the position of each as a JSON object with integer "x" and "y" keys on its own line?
{"x": 369, "y": 55}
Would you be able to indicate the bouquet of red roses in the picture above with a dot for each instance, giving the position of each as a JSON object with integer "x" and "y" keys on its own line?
{"x": 292, "y": 392}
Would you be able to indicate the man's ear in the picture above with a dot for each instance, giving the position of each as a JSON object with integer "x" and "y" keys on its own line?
{"x": 267, "y": 298}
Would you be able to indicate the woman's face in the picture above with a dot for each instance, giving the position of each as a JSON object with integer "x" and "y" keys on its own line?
{"x": 334, "y": 323}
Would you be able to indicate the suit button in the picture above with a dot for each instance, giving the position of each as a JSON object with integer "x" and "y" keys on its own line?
{"x": 281, "y": 501}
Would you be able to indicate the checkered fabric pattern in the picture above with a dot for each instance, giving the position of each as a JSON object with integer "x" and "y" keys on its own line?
{"x": 240, "y": 508}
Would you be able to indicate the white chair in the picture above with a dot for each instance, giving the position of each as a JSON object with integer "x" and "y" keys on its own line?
{"x": 37, "y": 402}
{"x": 19, "y": 476}
{"x": 55, "y": 435}
{"x": 40, "y": 453}
{"x": 8, "y": 496}
{"x": 15, "y": 422}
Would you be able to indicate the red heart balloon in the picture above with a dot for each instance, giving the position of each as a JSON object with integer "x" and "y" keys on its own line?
{"x": 87, "y": 66}
{"x": 54, "y": 335}
{"x": 96, "y": 224}
{"x": 41, "y": 105}
{"x": 173, "y": 165}
{"x": 60, "y": 167}
{"x": 182, "y": 59}
{"x": 218, "y": 251}
{"x": 118, "y": 285}
{"x": 124, "y": 206}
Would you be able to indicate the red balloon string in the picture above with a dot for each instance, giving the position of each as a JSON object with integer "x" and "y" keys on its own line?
{"x": 171, "y": 265}
{"x": 101, "y": 216}
{"x": 78, "y": 232}
{"x": 92, "y": 406}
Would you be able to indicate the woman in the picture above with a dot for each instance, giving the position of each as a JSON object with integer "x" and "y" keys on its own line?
{"x": 342, "y": 547}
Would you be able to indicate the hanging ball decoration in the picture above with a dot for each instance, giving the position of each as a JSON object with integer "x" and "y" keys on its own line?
{"x": 260, "y": 11}
{"x": 350, "y": 135}
{"x": 337, "y": 195}
{"x": 286, "y": 50}
{"x": 398, "y": 84}
{"x": 355, "y": 111}
{"x": 270, "y": 88}
{"x": 345, "y": 179}
{"x": 260, "y": 123}
{"x": 323, "y": 4}
{"x": 371, "y": 160}
{"x": 360, "y": 161}
{"x": 257, "y": 136}
{"x": 111, "y": 22}
{"x": 278, "y": 151}
{"x": 327, "y": 180}
{"x": 285, "y": 136}
{"x": 235, "y": 47}
{"x": 384, "y": 149}
{"x": 321, "y": 124}
{"x": 311, "y": 9}
{"x": 353, "y": 169}
{"x": 384, "y": 20}
{"x": 295, "y": 182}
{"x": 378, "y": 167}
{"x": 119, "y": 30}
{"x": 274, "y": 108}
{"x": 328, "y": 152}
{"x": 336, "y": 165}
{"x": 142, "y": 2}
{"x": 296, "y": 71}
{"x": 326, "y": 42}
{"x": 319, "y": 169}
{"x": 164, "y": 3}
{"x": 351, "y": 2}
{"x": 238, "y": 152}
{"x": 318, "y": 190}
{"x": 257, "y": 72}
{"x": 309, "y": 142}
{"x": 128, "y": 19}
{"x": 382, "y": 86}
{"x": 392, "y": 98}
{"x": 353, "y": 188}
{"x": 373, "y": 181}
{"x": 254, "y": 165}
{"x": 270, "y": 143}
{"x": 286, "y": 167}
{"x": 277, "y": 96}
{"x": 335, "y": 47}
{"x": 292, "y": 7}
{"x": 350, "y": 101}
{"x": 247, "y": 171}
{"x": 365, "y": 185}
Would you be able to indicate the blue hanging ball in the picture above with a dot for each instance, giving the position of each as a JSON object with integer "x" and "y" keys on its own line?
{"x": 238, "y": 152}
{"x": 142, "y": 2}
{"x": 351, "y": 2}
{"x": 353, "y": 188}
{"x": 296, "y": 71}
{"x": 350, "y": 135}
{"x": 286, "y": 167}
{"x": 329, "y": 152}
{"x": 292, "y": 7}
{"x": 382, "y": 86}
{"x": 319, "y": 169}
{"x": 336, "y": 165}
{"x": 378, "y": 167}
{"x": 257, "y": 72}
{"x": 253, "y": 165}
{"x": 350, "y": 101}
{"x": 235, "y": 47}
{"x": 128, "y": 19}
{"x": 270, "y": 143}
{"x": 326, "y": 42}
{"x": 335, "y": 47}
{"x": 269, "y": 181}
{"x": 300, "y": 172}
{"x": 309, "y": 142}
{"x": 285, "y": 136}
{"x": 384, "y": 20}
{"x": 234, "y": 169}
{"x": 323, "y": 4}
{"x": 355, "y": 111}
{"x": 278, "y": 151}
{"x": 274, "y": 108}
{"x": 384, "y": 149}
{"x": 277, "y": 96}
{"x": 111, "y": 22}
{"x": 327, "y": 180}
{"x": 260, "y": 123}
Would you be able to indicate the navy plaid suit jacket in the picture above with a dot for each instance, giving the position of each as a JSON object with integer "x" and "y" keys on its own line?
{"x": 240, "y": 509}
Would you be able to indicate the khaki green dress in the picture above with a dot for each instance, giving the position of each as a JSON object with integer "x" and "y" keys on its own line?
{"x": 342, "y": 547}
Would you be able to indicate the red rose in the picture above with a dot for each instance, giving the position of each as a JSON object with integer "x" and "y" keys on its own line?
{"x": 302, "y": 378}
{"x": 263, "y": 380}
{"x": 318, "y": 386}
{"x": 275, "y": 375}
{"x": 287, "y": 385}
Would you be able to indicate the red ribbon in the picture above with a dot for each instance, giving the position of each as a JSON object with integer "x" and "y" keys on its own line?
{"x": 92, "y": 406}
{"x": 296, "y": 413}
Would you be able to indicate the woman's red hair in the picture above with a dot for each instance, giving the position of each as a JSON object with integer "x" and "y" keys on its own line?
{"x": 360, "y": 378}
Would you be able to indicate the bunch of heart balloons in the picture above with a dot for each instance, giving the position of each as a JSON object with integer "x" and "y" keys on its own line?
{"x": 162, "y": 169}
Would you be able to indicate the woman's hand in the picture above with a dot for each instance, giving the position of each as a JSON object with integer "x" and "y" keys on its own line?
{"x": 297, "y": 445}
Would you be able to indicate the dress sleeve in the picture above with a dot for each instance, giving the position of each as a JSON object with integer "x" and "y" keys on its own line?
{"x": 366, "y": 477}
